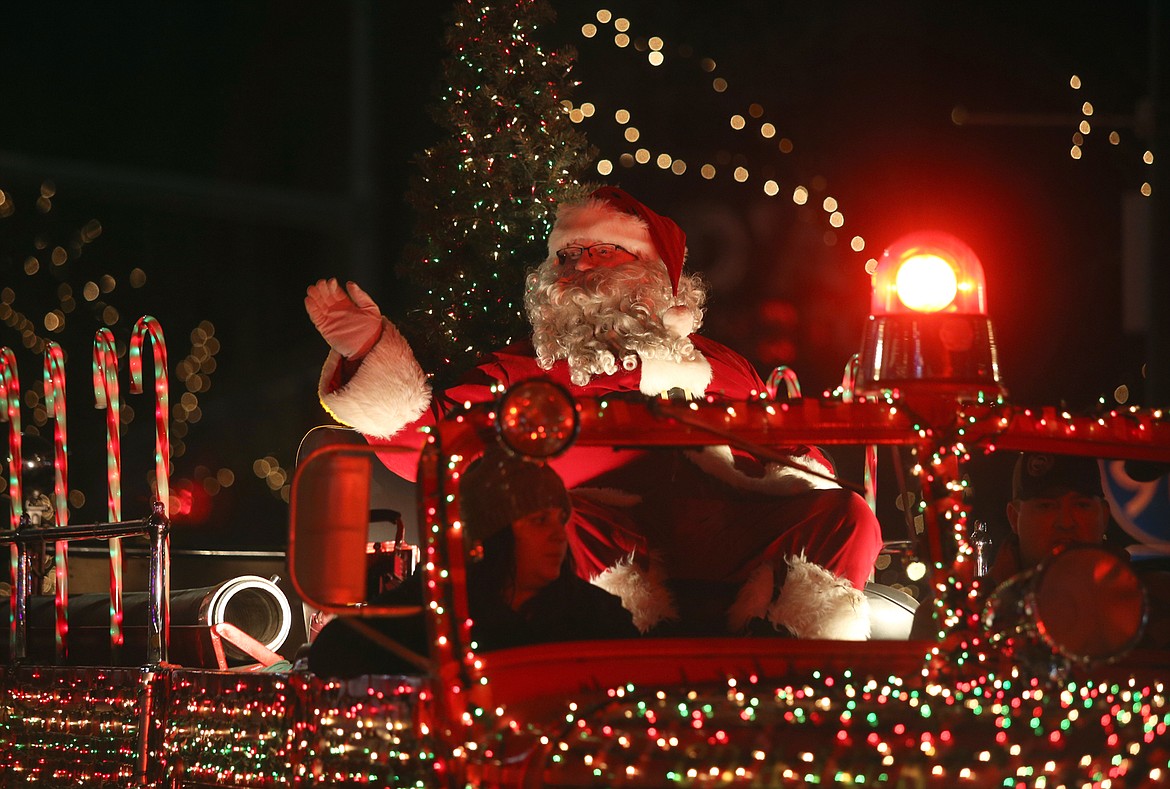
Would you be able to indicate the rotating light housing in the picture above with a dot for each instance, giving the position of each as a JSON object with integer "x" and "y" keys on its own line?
{"x": 928, "y": 329}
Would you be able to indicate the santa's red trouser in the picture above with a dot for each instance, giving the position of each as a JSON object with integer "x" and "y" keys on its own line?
{"x": 706, "y": 530}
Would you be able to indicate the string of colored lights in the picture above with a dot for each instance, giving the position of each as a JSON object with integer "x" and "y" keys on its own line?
{"x": 833, "y": 727}
{"x": 850, "y": 728}
{"x": 106, "y": 397}
{"x": 451, "y": 715}
{"x": 82, "y": 727}
{"x": 149, "y": 327}
{"x": 55, "y": 407}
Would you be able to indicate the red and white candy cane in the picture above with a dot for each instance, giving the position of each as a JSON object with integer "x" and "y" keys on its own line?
{"x": 55, "y": 407}
{"x": 10, "y": 390}
{"x": 148, "y": 326}
{"x": 783, "y": 375}
{"x": 105, "y": 396}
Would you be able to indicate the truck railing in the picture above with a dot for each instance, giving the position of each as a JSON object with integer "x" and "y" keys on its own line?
{"x": 25, "y": 542}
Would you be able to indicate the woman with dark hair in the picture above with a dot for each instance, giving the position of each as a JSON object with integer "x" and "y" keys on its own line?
{"x": 522, "y": 590}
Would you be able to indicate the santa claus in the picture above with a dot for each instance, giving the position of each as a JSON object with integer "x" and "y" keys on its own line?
{"x": 692, "y": 541}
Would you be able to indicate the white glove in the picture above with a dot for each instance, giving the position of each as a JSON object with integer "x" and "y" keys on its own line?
{"x": 349, "y": 320}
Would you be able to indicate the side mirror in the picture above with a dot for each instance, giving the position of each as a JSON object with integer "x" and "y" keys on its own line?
{"x": 336, "y": 563}
{"x": 329, "y": 521}
{"x": 1082, "y": 606}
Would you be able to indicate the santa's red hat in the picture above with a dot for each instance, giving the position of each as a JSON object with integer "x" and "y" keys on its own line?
{"x": 612, "y": 216}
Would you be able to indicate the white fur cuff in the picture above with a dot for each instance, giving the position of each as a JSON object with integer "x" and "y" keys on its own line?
{"x": 644, "y": 595}
{"x": 814, "y": 603}
{"x": 778, "y": 480}
{"x": 661, "y": 375}
{"x": 388, "y": 391}
{"x": 753, "y": 598}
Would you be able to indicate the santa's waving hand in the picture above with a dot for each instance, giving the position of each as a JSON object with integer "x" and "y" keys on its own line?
{"x": 349, "y": 320}
{"x": 371, "y": 371}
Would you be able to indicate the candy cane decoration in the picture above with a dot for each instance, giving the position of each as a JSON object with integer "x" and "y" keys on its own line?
{"x": 105, "y": 396}
{"x": 787, "y": 376}
{"x": 55, "y": 406}
{"x": 10, "y": 388}
{"x": 148, "y": 326}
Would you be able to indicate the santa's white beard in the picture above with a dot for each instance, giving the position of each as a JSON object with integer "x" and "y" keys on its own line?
{"x": 607, "y": 316}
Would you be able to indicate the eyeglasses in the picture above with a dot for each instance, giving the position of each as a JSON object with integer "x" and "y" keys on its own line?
{"x": 600, "y": 251}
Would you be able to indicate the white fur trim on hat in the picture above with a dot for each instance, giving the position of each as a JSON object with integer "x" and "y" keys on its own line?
{"x": 643, "y": 593}
{"x": 679, "y": 320}
{"x": 661, "y": 375}
{"x": 814, "y": 603}
{"x": 599, "y": 222}
{"x": 778, "y": 479}
{"x": 388, "y": 391}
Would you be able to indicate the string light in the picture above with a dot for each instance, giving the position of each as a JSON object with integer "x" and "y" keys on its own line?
{"x": 510, "y": 155}
{"x": 1085, "y": 127}
{"x": 752, "y": 120}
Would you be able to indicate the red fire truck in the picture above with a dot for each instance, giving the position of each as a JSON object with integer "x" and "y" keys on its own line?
{"x": 1008, "y": 693}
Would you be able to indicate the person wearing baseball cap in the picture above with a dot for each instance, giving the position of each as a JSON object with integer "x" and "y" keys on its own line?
{"x": 1057, "y": 501}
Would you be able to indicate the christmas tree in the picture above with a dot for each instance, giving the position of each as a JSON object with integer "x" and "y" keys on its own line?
{"x": 484, "y": 198}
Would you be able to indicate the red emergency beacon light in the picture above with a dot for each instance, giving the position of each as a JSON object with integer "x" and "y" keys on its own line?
{"x": 928, "y": 330}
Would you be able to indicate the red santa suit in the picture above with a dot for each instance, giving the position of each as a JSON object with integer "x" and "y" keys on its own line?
{"x": 649, "y": 525}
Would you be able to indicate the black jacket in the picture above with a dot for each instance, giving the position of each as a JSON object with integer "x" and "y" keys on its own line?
{"x": 568, "y": 609}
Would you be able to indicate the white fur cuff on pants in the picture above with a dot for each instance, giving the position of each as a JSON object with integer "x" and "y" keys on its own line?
{"x": 643, "y": 594}
{"x": 814, "y": 603}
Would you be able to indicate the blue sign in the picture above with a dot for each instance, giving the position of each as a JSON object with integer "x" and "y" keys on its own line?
{"x": 1142, "y": 509}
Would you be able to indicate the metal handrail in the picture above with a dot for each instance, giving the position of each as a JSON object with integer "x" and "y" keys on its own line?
{"x": 156, "y": 527}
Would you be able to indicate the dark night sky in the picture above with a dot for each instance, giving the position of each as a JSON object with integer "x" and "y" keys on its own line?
{"x": 178, "y": 127}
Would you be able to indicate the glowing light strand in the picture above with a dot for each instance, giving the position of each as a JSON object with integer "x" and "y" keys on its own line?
{"x": 55, "y": 408}
{"x": 677, "y": 166}
{"x": 105, "y": 395}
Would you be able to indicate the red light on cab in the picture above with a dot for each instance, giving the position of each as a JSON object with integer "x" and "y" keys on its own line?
{"x": 928, "y": 272}
{"x": 928, "y": 332}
